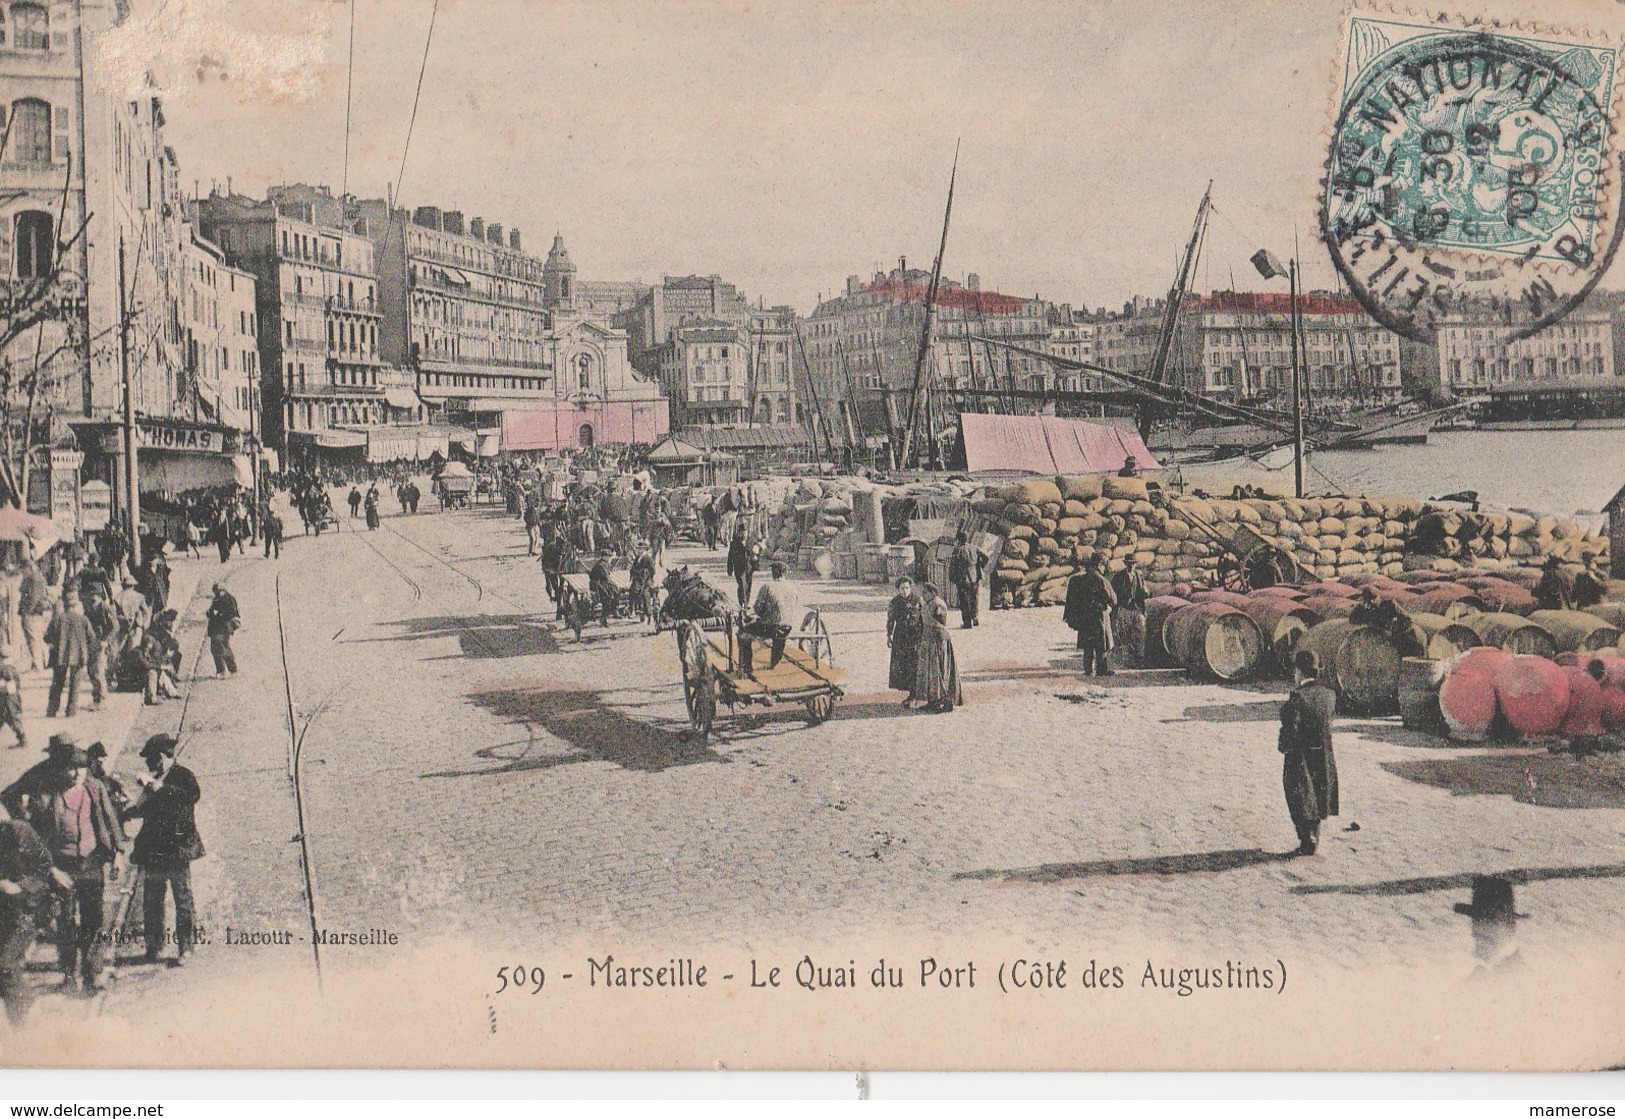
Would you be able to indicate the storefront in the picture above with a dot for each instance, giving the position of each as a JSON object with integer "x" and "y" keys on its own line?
{"x": 579, "y": 426}
{"x": 172, "y": 455}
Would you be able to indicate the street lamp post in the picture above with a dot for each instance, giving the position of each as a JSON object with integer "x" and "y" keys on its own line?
{"x": 1269, "y": 267}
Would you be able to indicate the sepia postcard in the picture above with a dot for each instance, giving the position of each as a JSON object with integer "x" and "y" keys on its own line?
{"x": 823, "y": 534}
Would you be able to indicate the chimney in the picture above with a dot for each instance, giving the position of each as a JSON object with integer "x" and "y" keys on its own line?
{"x": 428, "y": 217}
{"x": 452, "y": 221}
{"x": 853, "y": 285}
{"x": 514, "y": 242}
{"x": 974, "y": 281}
{"x": 476, "y": 229}
{"x": 493, "y": 233}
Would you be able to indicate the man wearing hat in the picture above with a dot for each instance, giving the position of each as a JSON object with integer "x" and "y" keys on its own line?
{"x": 167, "y": 844}
{"x": 71, "y": 640}
{"x": 11, "y": 700}
{"x": 1088, "y": 610}
{"x": 75, "y": 817}
{"x": 224, "y": 620}
{"x": 1309, "y": 768}
{"x": 1495, "y": 927}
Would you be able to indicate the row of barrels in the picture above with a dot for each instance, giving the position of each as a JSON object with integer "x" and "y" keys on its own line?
{"x": 1489, "y": 692}
{"x": 1227, "y": 636}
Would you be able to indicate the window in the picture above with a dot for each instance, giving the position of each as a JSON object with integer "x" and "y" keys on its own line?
{"x": 30, "y": 131}
{"x": 36, "y": 245}
{"x": 30, "y": 27}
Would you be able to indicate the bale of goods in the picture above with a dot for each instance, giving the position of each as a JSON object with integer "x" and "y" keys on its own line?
{"x": 1532, "y": 694}
{"x": 1467, "y": 701}
{"x": 1442, "y": 637}
{"x": 1419, "y": 679}
{"x": 1577, "y": 631}
{"x": 1513, "y": 634}
{"x": 1283, "y": 624}
{"x": 1124, "y": 489}
{"x": 1213, "y": 640}
{"x": 1157, "y": 610}
{"x": 1359, "y": 662}
{"x": 1080, "y": 487}
{"x": 1584, "y": 715}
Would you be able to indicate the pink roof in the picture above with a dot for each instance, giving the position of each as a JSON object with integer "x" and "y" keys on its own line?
{"x": 1049, "y": 445}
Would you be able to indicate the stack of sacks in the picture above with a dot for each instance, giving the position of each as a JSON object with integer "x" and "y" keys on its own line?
{"x": 1453, "y": 539}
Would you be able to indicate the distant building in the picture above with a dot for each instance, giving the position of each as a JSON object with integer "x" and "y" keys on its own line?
{"x": 1474, "y": 356}
{"x": 678, "y": 301}
{"x": 865, "y": 344}
{"x": 90, "y": 201}
{"x": 1238, "y": 345}
{"x": 218, "y": 324}
{"x": 323, "y": 374}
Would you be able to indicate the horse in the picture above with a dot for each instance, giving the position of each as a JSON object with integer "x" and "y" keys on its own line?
{"x": 688, "y": 598}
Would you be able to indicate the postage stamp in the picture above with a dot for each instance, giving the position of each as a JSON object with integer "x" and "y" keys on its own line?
{"x": 1471, "y": 163}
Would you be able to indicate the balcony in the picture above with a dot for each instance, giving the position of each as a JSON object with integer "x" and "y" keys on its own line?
{"x": 357, "y": 306}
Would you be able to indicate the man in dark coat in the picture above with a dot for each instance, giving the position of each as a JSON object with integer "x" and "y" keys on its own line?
{"x": 75, "y": 818}
{"x": 71, "y": 639}
{"x": 1089, "y": 602}
{"x": 167, "y": 845}
{"x": 905, "y": 621}
{"x": 1552, "y": 592}
{"x": 742, "y": 564}
{"x": 224, "y": 621}
{"x": 965, "y": 566}
{"x": 273, "y": 533}
{"x": 1129, "y": 587}
{"x": 26, "y": 876}
{"x": 1309, "y": 767}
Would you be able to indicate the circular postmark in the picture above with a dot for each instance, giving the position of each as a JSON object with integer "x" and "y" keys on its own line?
{"x": 1472, "y": 172}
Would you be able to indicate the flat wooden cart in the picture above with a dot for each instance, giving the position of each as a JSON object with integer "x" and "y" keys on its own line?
{"x": 712, "y": 673}
{"x": 581, "y": 605}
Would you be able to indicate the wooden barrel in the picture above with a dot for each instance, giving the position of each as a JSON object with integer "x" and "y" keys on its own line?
{"x": 1361, "y": 663}
{"x": 1526, "y": 577}
{"x": 1280, "y": 590}
{"x": 1450, "y": 600}
{"x": 1467, "y": 701}
{"x": 1214, "y": 640}
{"x": 1442, "y": 637}
{"x": 1331, "y": 589}
{"x": 1577, "y": 631}
{"x": 1611, "y": 612}
{"x": 1283, "y": 624}
{"x": 1512, "y": 633}
{"x": 1533, "y": 694}
{"x": 1157, "y": 612}
{"x": 1419, "y": 679}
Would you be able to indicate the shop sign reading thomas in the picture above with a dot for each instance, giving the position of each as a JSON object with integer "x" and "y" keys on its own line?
{"x": 157, "y": 435}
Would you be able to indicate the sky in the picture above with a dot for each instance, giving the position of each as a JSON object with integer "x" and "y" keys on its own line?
{"x": 783, "y": 145}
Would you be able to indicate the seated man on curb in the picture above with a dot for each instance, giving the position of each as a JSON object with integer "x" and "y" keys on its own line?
{"x": 770, "y": 618}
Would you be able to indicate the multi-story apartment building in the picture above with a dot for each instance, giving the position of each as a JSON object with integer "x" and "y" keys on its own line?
{"x": 90, "y": 207}
{"x": 218, "y": 334}
{"x": 865, "y": 342}
{"x": 678, "y": 301}
{"x": 322, "y": 376}
{"x": 1474, "y": 355}
{"x": 1072, "y": 336}
{"x": 1238, "y": 345}
{"x": 704, "y": 369}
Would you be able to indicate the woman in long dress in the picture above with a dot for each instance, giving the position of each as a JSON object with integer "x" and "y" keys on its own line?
{"x": 936, "y": 675}
{"x": 905, "y": 617}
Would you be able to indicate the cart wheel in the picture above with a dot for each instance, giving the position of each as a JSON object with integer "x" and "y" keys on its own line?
{"x": 701, "y": 699}
{"x": 819, "y": 709}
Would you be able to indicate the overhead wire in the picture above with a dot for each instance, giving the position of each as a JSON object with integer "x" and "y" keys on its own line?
{"x": 406, "y": 148}
{"x": 349, "y": 88}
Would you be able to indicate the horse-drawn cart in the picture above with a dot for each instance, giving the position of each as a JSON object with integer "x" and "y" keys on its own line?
{"x": 713, "y": 674}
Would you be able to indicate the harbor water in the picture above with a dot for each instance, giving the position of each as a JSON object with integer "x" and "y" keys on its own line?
{"x": 1558, "y": 472}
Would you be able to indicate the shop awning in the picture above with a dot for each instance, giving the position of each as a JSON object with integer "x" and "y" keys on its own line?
{"x": 1049, "y": 445}
{"x": 403, "y": 398}
{"x": 332, "y": 438}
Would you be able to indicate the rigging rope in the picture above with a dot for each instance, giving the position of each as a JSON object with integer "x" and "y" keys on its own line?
{"x": 412, "y": 123}
{"x": 349, "y": 87}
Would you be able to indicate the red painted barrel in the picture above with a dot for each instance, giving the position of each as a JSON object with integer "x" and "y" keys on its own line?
{"x": 1280, "y": 590}
{"x": 1450, "y": 600}
{"x": 1412, "y": 578}
{"x": 1501, "y": 596}
{"x": 1526, "y": 577}
{"x": 1333, "y": 589}
{"x": 1228, "y": 598}
{"x": 1613, "y": 708}
{"x": 1584, "y": 714}
{"x": 1328, "y": 607}
{"x": 1533, "y": 694}
{"x": 1467, "y": 701}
